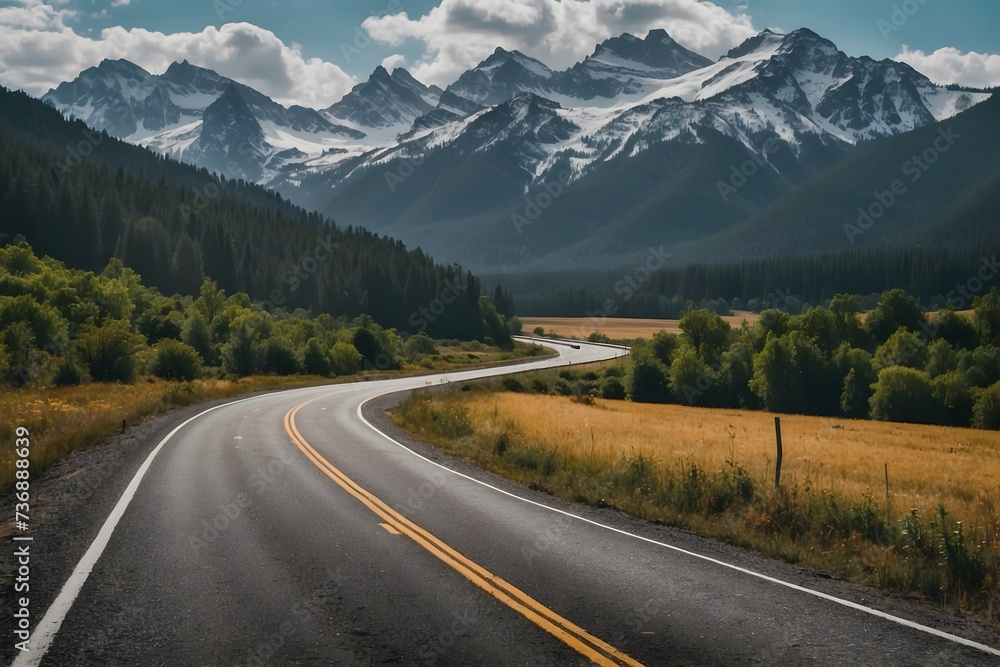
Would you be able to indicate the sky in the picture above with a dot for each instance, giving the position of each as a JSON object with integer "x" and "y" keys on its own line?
{"x": 311, "y": 52}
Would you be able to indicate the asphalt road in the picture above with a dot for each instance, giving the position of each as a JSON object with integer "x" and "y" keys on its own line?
{"x": 285, "y": 529}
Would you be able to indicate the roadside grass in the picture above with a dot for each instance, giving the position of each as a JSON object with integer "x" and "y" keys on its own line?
{"x": 63, "y": 420}
{"x": 936, "y": 534}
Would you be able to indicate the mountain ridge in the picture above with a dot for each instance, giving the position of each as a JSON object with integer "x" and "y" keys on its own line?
{"x": 463, "y": 162}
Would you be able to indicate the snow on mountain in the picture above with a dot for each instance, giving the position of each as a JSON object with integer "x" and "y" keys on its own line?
{"x": 630, "y": 96}
{"x": 186, "y": 111}
{"x": 385, "y": 102}
{"x": 627, "y": 65}
{"x": 796, "y": 88}
{"x": 502, "y": 76}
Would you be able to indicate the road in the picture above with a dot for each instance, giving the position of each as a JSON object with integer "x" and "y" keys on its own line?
{"x": 286, "y": 529}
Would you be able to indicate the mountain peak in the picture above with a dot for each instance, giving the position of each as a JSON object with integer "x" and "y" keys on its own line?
{"x": 751, "y": 44}
{"x": 658, "y": 35}
{"x": 121, "y": 65}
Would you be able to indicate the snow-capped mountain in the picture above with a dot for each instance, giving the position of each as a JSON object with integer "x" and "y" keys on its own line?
{"x": 641, "y": 139}
{"x": 628, "y": 65}
{"x": 791, "y": 104}
{"x": 187, "y": 112}
{"x": 502, "y": 76}
{"x": 385, "y": 101}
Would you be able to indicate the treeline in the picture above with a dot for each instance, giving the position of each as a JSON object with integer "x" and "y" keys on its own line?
{"x": 61, "y": 326}
{"x": 895, "y": 364}
{"x": 83, "y": 198}
{"x": 932, "y": 275}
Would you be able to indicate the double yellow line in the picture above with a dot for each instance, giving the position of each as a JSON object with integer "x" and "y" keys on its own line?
{"x": 573, "y": 636}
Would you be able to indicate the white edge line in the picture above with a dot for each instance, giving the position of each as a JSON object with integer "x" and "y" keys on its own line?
{"x": 802, "y": 589}
{"x": 46, "y": 630}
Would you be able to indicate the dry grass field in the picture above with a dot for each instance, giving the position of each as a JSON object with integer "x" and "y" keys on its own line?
{"x": 936, "y": 535}
{"x": 926, "y": 464}
{"x": 616, "y": 328}
{"x": 621, "y": 328}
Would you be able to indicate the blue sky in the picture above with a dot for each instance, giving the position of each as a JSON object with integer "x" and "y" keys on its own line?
{"x": 320, "y": 26}
{"x": 312, "y": 51}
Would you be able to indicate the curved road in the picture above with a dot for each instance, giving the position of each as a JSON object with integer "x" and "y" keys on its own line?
{"x": 286, "y": 529}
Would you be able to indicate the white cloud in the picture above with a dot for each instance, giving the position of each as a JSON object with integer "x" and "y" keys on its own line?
{"x": 949, "y": 65}
{"x": 392, "y": 62}
{"x": 38, "y": 52}
{"x": 458, "y": 34}
{"x": 33, "y": 15}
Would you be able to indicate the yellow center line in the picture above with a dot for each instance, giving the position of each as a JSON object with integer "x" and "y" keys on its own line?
{"x": 573, "y": 636}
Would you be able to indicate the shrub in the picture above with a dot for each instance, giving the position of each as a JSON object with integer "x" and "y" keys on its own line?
{"x": 903, "y": 348}
{"x": 108, "y": 351}
{"x": 953, "y": 398}
{"x": 986, "y": 412}
{"x": 903, "y": 395}
{"x": 315, "y": 358}
{"x": 239, "y": 354}
{"x": 344, "y": 359}
{"x": 198, "y": 335}
{"x": 23, "y": 361}
{"x": 538, "y": 331}
{"x": 613, "y": 389}
{"x": 174, "y": 360}
{"x": 278, "y": 357}
{"x": 418, "y": 344}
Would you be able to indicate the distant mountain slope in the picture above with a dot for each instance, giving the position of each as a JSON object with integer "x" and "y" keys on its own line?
{"x": 947, "y": 194}
{"x": 168, "y": 113}
{"x": 645, "y": 141}
{"x": 83, "y": 197}
{"x": 666, "y": 170}
{"x": 386, "y": 101}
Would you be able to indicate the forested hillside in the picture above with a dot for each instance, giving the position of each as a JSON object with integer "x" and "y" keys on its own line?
{"x": 62, "y": 326}
{"x": 931, "y": 274}
{"x": 83, "y": 197}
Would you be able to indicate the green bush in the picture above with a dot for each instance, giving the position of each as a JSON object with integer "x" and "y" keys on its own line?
{"x": 419, "y": 344}
{"x": 344, "y": 359}
{"x": 23, "y": 361}
{"x": 239, "y": 354}
{"x": 315, "y": 359}
{"x": 174, "y": 360}
{"x": 903, "y": 395}
{"x": 109, "y": 351}
{"x": 986, "y": 412}
{"x": 69, "y": 372}
{"x": 278, "y": 357}
{"x": 613, "y": 389}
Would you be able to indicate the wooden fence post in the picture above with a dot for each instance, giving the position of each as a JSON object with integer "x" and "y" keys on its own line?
{"x": 777, "y": 464}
